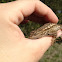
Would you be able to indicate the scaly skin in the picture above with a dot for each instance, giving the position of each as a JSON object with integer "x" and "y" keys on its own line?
{"x": 48, "y": 29}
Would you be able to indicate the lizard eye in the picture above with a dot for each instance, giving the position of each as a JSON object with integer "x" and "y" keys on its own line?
{"x": 48, "y": 34}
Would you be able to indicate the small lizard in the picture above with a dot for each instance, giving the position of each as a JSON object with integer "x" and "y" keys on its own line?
{"x": 48, "y": 29}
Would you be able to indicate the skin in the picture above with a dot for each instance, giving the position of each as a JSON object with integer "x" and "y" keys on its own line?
{"x": 14, "y": 47}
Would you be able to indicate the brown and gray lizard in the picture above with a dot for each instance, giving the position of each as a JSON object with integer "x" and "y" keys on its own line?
{"x": 48, "y": 29}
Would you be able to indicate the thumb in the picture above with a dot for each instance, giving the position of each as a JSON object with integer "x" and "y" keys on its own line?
{"x": 40, "y": 46}
{"x": 44, "y": 43}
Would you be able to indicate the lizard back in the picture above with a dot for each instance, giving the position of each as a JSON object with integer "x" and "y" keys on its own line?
{"x": 44, "y": 30}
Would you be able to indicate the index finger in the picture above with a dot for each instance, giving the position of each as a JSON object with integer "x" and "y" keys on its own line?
{"x": 28, "y": 7}
{"x": 41, "y": 9}
{"x": 46, "y": 12}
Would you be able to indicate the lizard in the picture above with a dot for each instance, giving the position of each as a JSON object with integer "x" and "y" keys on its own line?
{"x": 48, "y": 29}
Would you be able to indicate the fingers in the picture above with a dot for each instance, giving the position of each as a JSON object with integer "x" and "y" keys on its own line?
{"x": 42, "y": 10}
{"x": 26, "y": 8}
{"x": 19, "y": 10}
{"x": 46, "y": 12}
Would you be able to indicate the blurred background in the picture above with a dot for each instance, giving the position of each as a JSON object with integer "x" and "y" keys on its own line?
{"x": 54, "y": 53}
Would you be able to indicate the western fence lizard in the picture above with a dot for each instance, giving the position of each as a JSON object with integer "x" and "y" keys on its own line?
{"x": 48, "y": 29}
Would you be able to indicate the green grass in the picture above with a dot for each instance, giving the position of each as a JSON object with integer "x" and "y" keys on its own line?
{"x": 4, "y": 1}
{"x": 54, "y": 54}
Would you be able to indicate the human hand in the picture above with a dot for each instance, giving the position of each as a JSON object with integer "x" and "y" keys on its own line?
{"x": 14, "y": 47}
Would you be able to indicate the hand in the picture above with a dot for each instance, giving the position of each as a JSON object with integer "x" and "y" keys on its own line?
{"x": 14, "y": 47}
